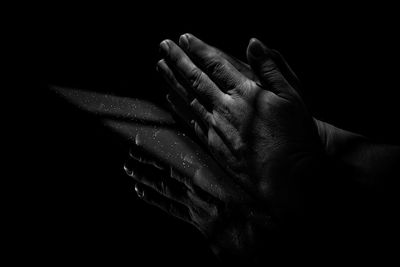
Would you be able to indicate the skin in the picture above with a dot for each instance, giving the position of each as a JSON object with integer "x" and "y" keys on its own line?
{"x": 256, "y": 126}
{"x": 269, "y": 148}
{"x": 236, "y": 226}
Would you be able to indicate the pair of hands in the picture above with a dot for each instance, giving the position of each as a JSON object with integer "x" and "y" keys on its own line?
{"x": 257, "y": 128}
{"x": 250, "y": 117}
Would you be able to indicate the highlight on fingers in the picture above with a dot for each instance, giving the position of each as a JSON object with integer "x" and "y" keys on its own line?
{"x": 159, "y": 181}
{"x": 194, "y": 79}
{"x": 143, "y": 157}
{"x": 261, "y": 60}
{"x": 172, "y": 80}
{"x": 213, "y": 63}
{"x": 241, "y": 66}
{"x": 171, "y": 196}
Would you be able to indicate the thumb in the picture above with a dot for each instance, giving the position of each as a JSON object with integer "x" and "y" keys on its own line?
{"x": 261, "y": 61}
{"x": 286, "y": 70}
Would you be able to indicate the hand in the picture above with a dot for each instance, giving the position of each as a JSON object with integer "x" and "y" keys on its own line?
{"x": 258, "y": 129}
{"x": 236, "y": 225}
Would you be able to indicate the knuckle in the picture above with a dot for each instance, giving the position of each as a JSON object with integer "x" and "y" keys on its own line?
{"x": 222, "y": 111}
{"x": 196, "y": 78}
{"x": 270, "y": 70}
{"x": 246, "y": 87}
{"x": 269, "y": 67}
{"x": 214, "y": 66}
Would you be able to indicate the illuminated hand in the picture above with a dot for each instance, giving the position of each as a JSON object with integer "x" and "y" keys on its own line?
{"x": 256, "y": 126}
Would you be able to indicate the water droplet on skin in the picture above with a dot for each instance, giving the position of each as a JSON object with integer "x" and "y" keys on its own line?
{"x": 188, "y": 159}
{"x": 157, "y": 132}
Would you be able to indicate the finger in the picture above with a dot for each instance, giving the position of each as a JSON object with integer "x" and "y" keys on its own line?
{"x": 242, "y": 67}
{"x": 184, "y": 112}
{"x": 142, "y": 156}
{"x": 226, "y": 131}
{"x": 158, "y": 181}
{"x": 181, "y": 108}
{"x": 172, "y": 81}
{"x": 201, "y": 85}
{"x": 218, "y": 147}
{"x": 169, "y": 206}
{"x": 199, "y": 197}
{"x": 219, "y": 150}
{"x": 260, "y": 59}
{"x": 286, "y": 70}
{"x": 202, "y": 113}
{"x": 216, "y": 66}
{"x": 196, "y": 111}
{"x": 201, "y": 134}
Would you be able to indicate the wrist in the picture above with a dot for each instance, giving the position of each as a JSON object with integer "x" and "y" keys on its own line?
{"x": 336, "y": 142}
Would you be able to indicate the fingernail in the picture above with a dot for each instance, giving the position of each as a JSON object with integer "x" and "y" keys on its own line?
{"x": 164, "y": 48}
{"x": 257, "y": 49}
{"x": 139, "y": 191}
{"x": 158, "y": 65}
{"x": 128, "y": 170}
{"x": 184, "y": 41}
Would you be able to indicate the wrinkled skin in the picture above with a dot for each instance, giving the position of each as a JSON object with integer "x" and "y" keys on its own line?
{"x": 243, "y": 221}
{"x": 252, "y": 120}
{"x": 270, "y": 152}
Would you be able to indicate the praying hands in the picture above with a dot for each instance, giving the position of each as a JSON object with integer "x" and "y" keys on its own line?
{"x": 271, "y": 152}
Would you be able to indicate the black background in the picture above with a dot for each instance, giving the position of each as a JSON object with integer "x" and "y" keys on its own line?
{"x": 77, "y": 204}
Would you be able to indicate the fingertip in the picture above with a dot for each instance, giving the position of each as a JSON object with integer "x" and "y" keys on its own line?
{"x": 157, "y": 66}
{"x": 190, "y": 39}
{"x": 164, "y": 47}
{"x": 161, "y": 64}
{"x": 188, "y": 35}
{"x": 127, "y": 169}
{"x": 256, "y": 49}
{"x": 253, "y": 40}
{"x": 184, "y": 41}
{"x": 139, "y": 190}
